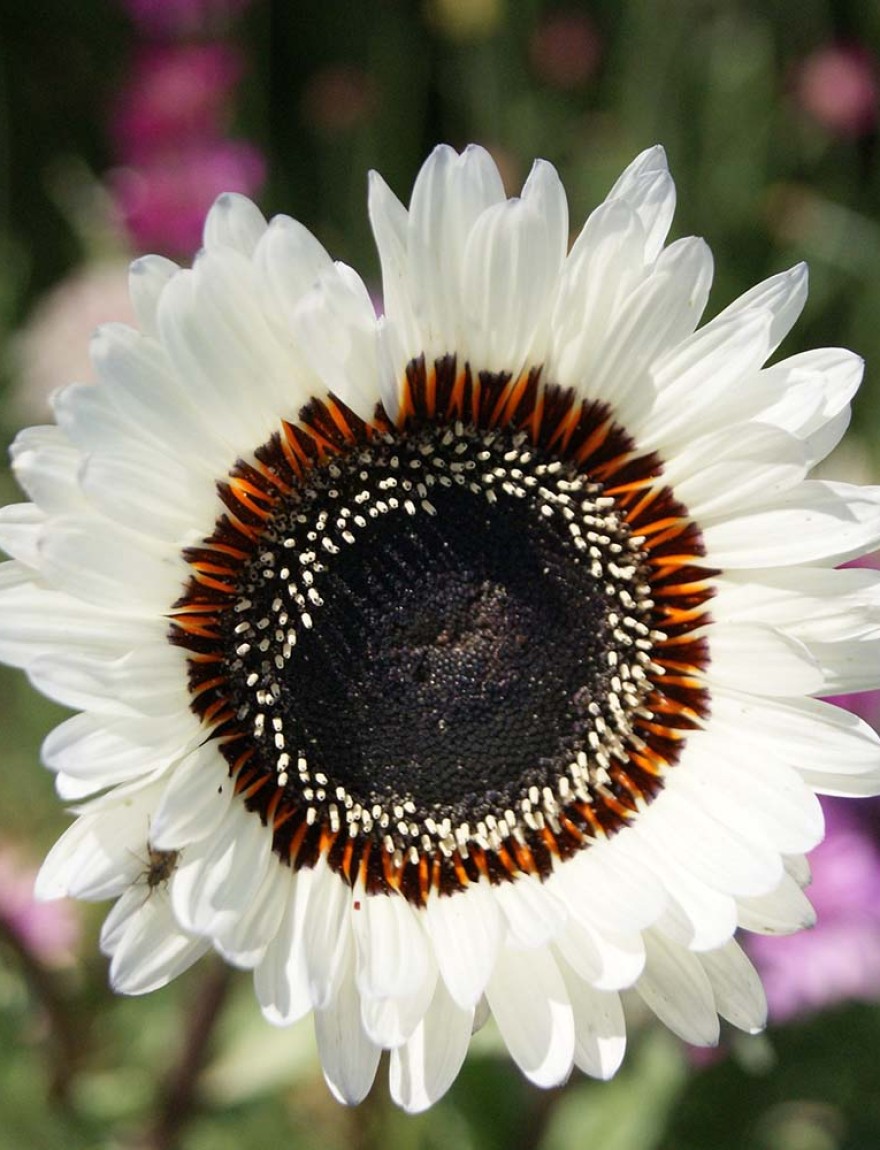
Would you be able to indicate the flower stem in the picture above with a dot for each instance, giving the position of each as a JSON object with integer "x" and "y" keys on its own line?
{"x": 178, "y": 1102}
{"x": 65, "y": 1045}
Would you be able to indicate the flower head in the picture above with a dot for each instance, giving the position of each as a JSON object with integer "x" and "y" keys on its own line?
{"x": 465, "y": 660}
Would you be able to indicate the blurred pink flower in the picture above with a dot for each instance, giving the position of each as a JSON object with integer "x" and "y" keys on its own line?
{"x": 52, "y": 347}
{"x": 174, "y": 95}
{"x": 839, "y": 959}
{"x": 163, "y": 201}
{"x": 838, "y": 87}
{"x": 178, "y": 18}
{"x": 49, "y": 931}
{"x": 565, "y": 49}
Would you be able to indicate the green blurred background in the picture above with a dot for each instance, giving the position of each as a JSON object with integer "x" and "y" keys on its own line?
{"x": 768, "y": 111}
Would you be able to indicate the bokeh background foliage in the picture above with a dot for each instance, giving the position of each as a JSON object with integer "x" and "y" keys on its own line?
{"x": 768, "y": 111}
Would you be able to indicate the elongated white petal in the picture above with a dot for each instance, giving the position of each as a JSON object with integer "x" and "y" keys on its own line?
{"x": 533, "y": 1010}
{"x": 425, "y": 1066}
{"x": 281, "y": 979}
{"x": 348, "y": 1058}
{"x": 147, "y": 947}
{"x": 392, "y": 951}
{"x": 739, "y": 995}
{"x": 466, "y": 932}
{"x": 678, "y": 990}
{"x": 147, "y": 278}
{"x": 600, "y": 1028}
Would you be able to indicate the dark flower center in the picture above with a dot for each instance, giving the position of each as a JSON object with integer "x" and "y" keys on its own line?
{"x": 435, "y": 652}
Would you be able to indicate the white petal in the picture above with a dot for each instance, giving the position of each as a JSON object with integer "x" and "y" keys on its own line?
{"x": 243, "y": 941}
{"x": 219, "y": 877}
{"x": 782, "y": 295}
{"x": 327, "y": 933}
{"x": 46, "y": 466}
{"x": 449, "y": 195}
{"x": 21, "y": 529}
{"x": 392, "y": 951}
{"x": 603, "y": 268}
{"x": 723, "y": 473}
{"x": 600, "y": 1029}
{"x": 754, "y": 657}
{"x": 101, "y": 751}
{"x": 609, "y": 887}
{"x": 604, "y": 959}
{"x": 149, "y": 950}
{"x": 533, "y": 912}
{"x": 759, "y": 796}
{"x": 739, "y": 995}
{"x": 147, "y": 278}
{"x": 675, "y": 986}
{"x": 696, "y": 915}
{"x": 149, "y": 680}
{"x": 151, "y": 405}
{"x": 101, "y": 853}
{"x": 680, "y": 826}
{"x": 784, "y": 910}
{"x": 833, "y": 750}
{"x": 88, "y": 415}
{"x": 35, "y": 621}
{"x": 422, "y": 1070}
{"x": 816, "y": 522}
{"x": 392, "y": 1021}
{"x": 336, "y": 326}
{"x": 533, "y": 1011}
{"x": 388, "y": 218}
{"x": 160, "y": 498}
{"x": 700, "y": 375}
{"x": 466, "y": 931}
{"x": 107, "y": 565}
{"x": 809, "y": 395}
{"x": 220, "y": 344}
{"x": 510, "y": 268}
{"x": 234, "y": 221}
{"x": 195, "y": 800}
{"x": 647, "y": 188}
{"x": 661, "y": 312}
{"x": 348, "y": 1058}
{"x": 281, "y": 979}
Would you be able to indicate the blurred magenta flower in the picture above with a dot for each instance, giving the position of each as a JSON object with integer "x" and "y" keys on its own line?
{"x": 565, "y": 49}
{"x": 837, "y": 86}
{"x": 48, "y": 931}
{"x": 163, "y": 202}
{"x": 839, "y": 960}
{"x": 178, "y": 18}
{"x": 174, "y": 95}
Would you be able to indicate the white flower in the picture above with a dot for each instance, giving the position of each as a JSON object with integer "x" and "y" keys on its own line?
{"x": 504, "y": 695}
